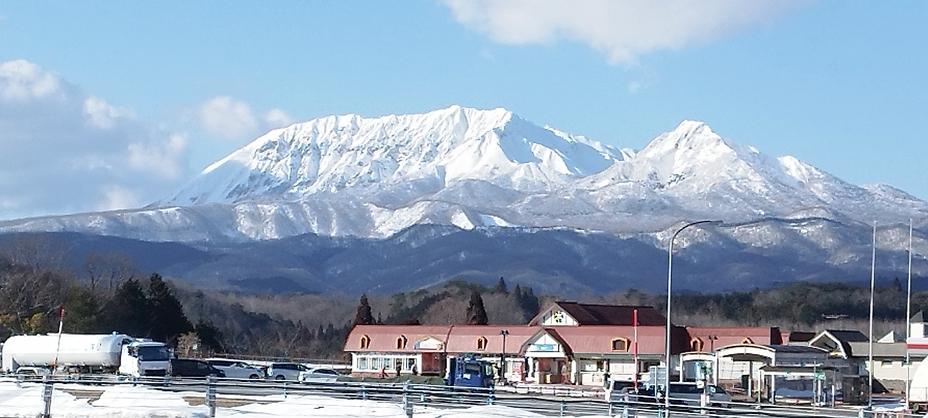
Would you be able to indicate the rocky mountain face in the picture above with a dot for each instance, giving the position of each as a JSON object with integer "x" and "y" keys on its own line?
{"x": 354, "y": 178}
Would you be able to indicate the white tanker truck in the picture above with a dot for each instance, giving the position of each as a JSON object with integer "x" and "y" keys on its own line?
{"x": 91, "y": 353}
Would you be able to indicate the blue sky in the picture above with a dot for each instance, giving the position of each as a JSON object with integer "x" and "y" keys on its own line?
{"x": 114, "y": 105}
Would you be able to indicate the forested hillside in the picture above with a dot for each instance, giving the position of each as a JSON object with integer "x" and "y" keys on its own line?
{"x": 109, "y": 294}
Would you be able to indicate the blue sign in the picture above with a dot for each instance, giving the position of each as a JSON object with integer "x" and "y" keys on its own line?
{"x": 543, "y": 347}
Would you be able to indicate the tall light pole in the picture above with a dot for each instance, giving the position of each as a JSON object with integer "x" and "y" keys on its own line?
{"x": 502, "y": 368}
{"x": 870, "y": 354}
{"x": 908, "y": 316}
{"x": 667, "y": 336}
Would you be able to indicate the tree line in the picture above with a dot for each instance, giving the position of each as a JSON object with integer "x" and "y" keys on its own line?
{"x": 109, "y": 294}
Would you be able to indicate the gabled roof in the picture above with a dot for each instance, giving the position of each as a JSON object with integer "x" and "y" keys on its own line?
{"x": 801, "y": 337}
{"x": 842, "y": 340}
{"x": 918, "y": 317}
{"x": 722, "y": 336}
{"x": 848, "y": 335}
{"x": 596, "y": 314}
{"x": 552, "y": 332}
{"x": 881, "y": 351}
{"x": 892, "y": 337}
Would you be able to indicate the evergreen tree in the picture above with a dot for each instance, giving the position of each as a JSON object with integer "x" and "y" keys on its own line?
{"x": 210, "y": 336}
{"x": 167, "y": 314}
{"x": 128, "y": 311}
{"x": 476, "y": 312}
{"x": 82, "y": 311}
{"x": 529, "y": 304}
{"x": 501, "y": 287}
{"x": 364, "y": 315}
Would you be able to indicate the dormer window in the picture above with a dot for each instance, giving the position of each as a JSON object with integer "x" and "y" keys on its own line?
{"x": 620, "y": 344}
{"x": 481, "y": 344}
{"x": 365, "y": 342}
{"x": 696, "y": 344}
{"x": 747, "y": 340}
{"x": 401, "y": 342}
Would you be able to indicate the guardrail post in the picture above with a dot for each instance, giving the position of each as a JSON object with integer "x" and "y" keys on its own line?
{"x": 211, "y": 395}
{"x": 285, "y": 389}
{"x": 47, "y": 389}
{"x": 491, "y": 396}
{"x": 563, "y": 407}
{"x": 407, "y": 406}
{"x": 363, "y": 392}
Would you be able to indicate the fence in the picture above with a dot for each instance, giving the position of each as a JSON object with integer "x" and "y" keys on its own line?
{"x": 53, "y": 395}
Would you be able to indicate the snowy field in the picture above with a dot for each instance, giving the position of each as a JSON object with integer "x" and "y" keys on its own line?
{"x": 25, "y": 400}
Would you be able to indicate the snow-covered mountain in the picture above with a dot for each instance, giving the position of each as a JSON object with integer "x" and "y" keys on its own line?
{"x": 371, "y": 177}
{"x": 440, "y": 148}
{"x": 387, "y": 198}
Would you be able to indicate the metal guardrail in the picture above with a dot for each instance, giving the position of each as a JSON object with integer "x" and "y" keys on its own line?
{"x": 418, "y": 397}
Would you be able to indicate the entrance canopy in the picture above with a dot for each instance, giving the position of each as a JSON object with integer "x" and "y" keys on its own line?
{"x": 748, "y": 352}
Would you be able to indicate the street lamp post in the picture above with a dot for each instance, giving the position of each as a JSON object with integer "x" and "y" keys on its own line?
{"x": 870, "y": 343}
{"x": 908, "y": 316}
{"x": 667, "y": 336}
{"x": 502, "y": 367}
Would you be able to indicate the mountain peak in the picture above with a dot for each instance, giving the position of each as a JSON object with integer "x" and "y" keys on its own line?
{"x": 435, "y": 149}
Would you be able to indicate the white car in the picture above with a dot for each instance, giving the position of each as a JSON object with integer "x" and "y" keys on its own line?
{"x": 285, "y": 371}
{"x": 319, "y": 375}
{"x": 690, "y": 394}
{"x": 237, "y": 369}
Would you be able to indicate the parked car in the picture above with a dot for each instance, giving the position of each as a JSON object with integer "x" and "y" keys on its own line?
{"x": 182, "y": 367}
{"x": 285, "y": 371}
{"x": 689, "y": 394}
{"x": 237, "y": 369}
{"x": 319, "y": 375}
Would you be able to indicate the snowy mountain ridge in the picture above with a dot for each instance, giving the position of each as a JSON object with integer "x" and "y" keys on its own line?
{"x": 335, "y": 153}
{"x": 372, "y": 177}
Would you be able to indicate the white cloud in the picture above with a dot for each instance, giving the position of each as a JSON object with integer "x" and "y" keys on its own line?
{"x": 276, "y": 118}
{"x": 21, "y": 80}
{"x": 623, "y": 30}
{"x": 230, "y": 118}
{"x": 227, "y": 117}
{"x": 66, "y": 151}
{"x": 102, "y": 115}
{"x": 117, "y": 197}
{"x": 161, "y": 159}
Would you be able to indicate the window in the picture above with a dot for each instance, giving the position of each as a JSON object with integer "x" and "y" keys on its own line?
{"x": 558, "y": 316}
{"x": 696, "y": 344}
{"x": 481, "y": 343}
{"x": 620, "y": 344}
{"x": 362, "y": 363}
{"x": 747, "y": 340}
{"x": 365, "y": 342}
{"x": 401, "y": 342}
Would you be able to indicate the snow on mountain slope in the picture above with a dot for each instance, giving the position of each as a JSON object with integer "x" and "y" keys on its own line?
{"x": 693, "y": 170}
{"x": 372, "y": 177}
{"x": 448, "y": 145}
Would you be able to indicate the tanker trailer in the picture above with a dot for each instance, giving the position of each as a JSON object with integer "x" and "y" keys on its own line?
{"x": 91, "y": 353}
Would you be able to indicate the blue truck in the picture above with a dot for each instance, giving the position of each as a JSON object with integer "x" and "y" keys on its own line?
{"x": 470, "y": 372}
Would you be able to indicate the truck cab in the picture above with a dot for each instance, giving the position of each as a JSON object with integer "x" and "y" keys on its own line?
{"x": 468, "y": 371}
{"x": 144, "y": 358}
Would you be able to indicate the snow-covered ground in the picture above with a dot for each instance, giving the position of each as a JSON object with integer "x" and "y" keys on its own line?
{"x": 25, "y": 400}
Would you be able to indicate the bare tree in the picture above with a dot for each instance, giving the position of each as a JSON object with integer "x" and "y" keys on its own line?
{"x": 446, "y": 312}
{"x": 114, "y": 267}
{"x": 36, "y": 251}
{"x": 27, "y": 295}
